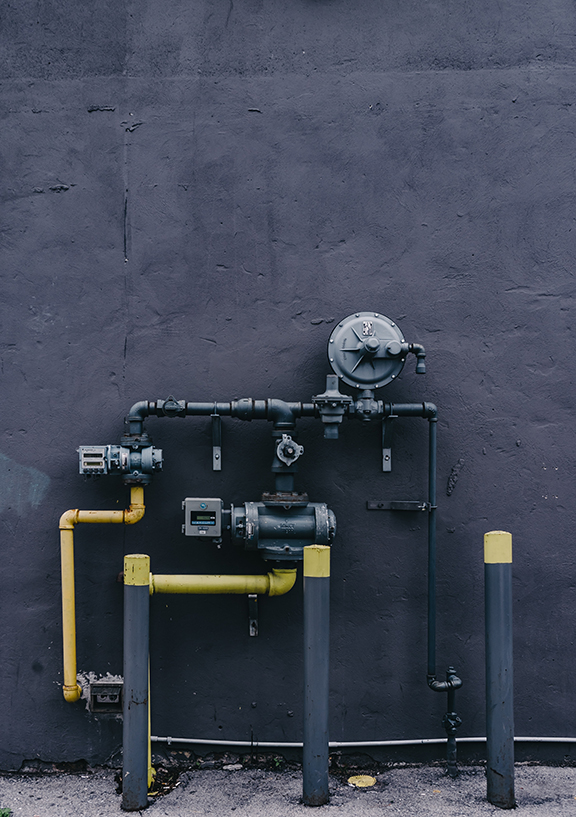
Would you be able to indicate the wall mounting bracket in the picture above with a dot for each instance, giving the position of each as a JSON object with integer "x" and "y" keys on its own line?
{"x": 407, "y": 505}
{"x": 253, "y": 613}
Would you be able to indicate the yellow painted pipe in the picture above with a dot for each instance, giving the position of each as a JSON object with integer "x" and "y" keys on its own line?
{"x": 72, "y": 691}
{"x": 151, "y": 769}
{"x": 275, "y": 583}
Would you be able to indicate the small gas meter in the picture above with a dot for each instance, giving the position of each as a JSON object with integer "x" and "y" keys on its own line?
{"x": 202, "y": 517}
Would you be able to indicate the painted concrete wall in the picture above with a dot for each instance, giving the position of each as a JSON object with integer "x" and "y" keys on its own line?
{"x": 193, "y": 193}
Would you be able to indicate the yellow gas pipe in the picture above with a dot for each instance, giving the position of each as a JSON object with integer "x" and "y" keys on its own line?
{"x": 275, "y": 583}
{"x": 72, "y": 691}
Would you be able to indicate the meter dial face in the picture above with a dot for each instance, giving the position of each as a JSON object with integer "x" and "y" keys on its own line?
{"x": 367, "y": 350}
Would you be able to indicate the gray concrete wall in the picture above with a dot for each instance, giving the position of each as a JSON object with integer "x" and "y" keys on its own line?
{"x": 192, "y": 194}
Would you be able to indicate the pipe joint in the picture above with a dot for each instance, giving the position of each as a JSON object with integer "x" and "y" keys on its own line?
{"x": 418, "y": 350}
{"x": 72, "y": 693}
{"x": 281, "y": 581}
{"x": 69, "y": 519}
{"x": 135, "y": 512}
{"x": 452, "y": 683}
{"x": 139, "y": 411}
{"x": 242, "y": 409}
{"x": 136, "y": 417}
{"x": 281, "y": 413}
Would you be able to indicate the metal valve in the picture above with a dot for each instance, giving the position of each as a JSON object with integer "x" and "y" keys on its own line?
{"x": 288, "y": 451}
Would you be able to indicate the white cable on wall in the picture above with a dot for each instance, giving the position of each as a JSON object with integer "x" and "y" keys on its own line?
{"x": 337, "y": 744}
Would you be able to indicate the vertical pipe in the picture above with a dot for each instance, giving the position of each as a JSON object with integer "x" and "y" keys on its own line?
{"x": 499, "y": 668}
{"x": 316, "y": 674}
{"x": 72, "y": 690}
{"x": 151, "y": 770}
{"x": 135, "y": 708}
{"x": 432, "y": 548}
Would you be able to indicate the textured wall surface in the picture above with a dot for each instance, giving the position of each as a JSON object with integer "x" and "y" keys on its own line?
{"x": 193, "y": 193}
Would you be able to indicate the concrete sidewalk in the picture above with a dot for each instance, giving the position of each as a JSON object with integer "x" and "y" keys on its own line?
{"x": 541, "y": 791}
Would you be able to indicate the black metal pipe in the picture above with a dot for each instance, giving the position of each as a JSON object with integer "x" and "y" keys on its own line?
{"x": 135, "y": 704}
{"x": 280, "y": 412}
{"x": 451, "y": 721}
{"x": 432, "y": 423}
{"x": 136, "y": 416}
{"x": 418, "y": 350}
{"x": 316, "y": 674}
{"x": 499, "y": 669}
{"x": 426, "y": 410}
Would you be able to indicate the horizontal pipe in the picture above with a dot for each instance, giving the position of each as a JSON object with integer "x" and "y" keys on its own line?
{"x": 426, "y": 410}
{"x": 128, "y": 516}
{"x": 275, "y": 583}
{"x": 339, "y": 744}
{"x": 245, "y": 409}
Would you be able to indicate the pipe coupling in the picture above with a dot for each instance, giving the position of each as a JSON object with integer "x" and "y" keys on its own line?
{"x": 452, "y": 682}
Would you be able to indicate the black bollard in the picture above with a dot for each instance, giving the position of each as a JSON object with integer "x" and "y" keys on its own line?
{"x": 499, "y": 668}
{"x": 316, "y": 681}
{"x": 135, "y": 707}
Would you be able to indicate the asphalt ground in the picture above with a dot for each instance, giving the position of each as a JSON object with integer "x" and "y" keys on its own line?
{"x": 245, "y": 792}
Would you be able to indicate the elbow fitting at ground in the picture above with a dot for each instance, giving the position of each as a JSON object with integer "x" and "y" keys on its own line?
{"x": 72, "y": 693}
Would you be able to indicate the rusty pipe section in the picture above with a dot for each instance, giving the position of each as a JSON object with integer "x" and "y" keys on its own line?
{"x": 69, "y": 519}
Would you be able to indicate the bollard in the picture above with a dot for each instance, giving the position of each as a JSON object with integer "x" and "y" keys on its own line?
{"x": 316, "y": 674}
{"x": 135, "y": 706}
{"x": 499, "y": 668}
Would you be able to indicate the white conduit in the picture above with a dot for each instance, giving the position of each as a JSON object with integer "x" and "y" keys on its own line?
{"x": 337, "y": 744}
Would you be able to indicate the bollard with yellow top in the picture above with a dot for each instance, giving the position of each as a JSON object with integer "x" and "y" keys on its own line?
{"x": 316, "y": 679}
{"x": 499, "y": 668}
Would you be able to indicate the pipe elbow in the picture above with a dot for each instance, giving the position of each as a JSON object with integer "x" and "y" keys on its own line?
{"x": 72, "y": 693}
{"x": 435, "y": 685}
{"x": 281, "y": 581}
{"x": 430, "y": 411}
{"x": 139, "y": 411}
{"x": 134, "y": 514}
{"x": 69, "y": 519}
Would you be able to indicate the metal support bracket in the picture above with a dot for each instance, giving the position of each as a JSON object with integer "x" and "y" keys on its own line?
{"x": 387, "y": 428}
{"x": 253, "y": 613}
{"x": 408, "y": 505}
{"x": 216, "y": 442}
